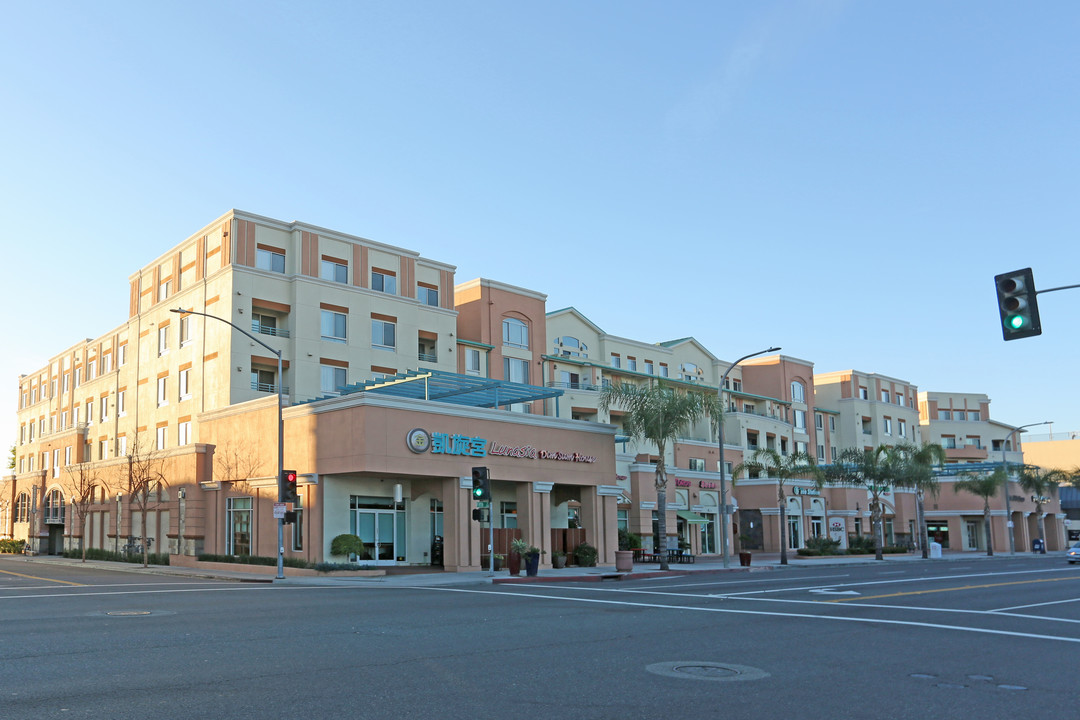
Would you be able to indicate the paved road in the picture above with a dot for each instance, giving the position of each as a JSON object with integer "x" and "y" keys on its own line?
{"x": 992, "y": 638}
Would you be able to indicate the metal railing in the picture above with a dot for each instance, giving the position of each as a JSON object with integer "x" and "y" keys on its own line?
{"x": 427, "y": 357}
{"x": 573, "y": 385}
{"x": 258, "y": 327}
{"x": 268, "y": 387}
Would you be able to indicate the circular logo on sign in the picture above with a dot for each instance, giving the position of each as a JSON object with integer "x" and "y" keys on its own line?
{"x": 418, "y": 440}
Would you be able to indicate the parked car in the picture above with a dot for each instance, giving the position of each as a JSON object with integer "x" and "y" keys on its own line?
{"x": 1074, "y": 553}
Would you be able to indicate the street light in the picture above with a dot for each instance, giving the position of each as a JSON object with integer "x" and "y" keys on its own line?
{"x": 1005, "y": 467}
{"x": 280, "y": 431}
{"x": 723, "y": 485}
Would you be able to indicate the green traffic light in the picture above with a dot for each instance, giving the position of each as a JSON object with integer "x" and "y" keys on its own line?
{"x": 1016, "y": 322}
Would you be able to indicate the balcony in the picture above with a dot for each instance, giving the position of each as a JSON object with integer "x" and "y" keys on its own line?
{"x": 262, "y": 329}
{"x": 574, "y": 385}
{"x": 427, "y": 357}
{"x": 966, "y": 452}
{"x": 267, "y": 387}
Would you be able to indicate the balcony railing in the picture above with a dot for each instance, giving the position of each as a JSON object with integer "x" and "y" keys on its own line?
{"x": 427, "y": 357}
{"x": 258, "y": 327}
{"x": 268, "y": 387}
{"x": 574, "y": 385}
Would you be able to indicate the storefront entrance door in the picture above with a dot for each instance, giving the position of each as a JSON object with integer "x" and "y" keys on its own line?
{"x": 377, "y": 529}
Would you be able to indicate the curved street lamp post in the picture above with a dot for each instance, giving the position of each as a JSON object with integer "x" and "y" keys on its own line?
{"x": 1005, "y": 467}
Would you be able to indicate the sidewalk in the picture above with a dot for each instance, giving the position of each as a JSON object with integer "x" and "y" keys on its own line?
{"x": 762, "y": 562}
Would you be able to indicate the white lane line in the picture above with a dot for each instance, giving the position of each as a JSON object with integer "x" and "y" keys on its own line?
{"x": 962, "y": 611}
{"x": 886, "y": 582}
{"x": 906, "y": 623}
{"x": 754, "y": 582}
{"x": 1021, "y": 607}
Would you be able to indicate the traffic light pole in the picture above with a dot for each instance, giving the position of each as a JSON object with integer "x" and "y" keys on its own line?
{"x": 280, "y": 431}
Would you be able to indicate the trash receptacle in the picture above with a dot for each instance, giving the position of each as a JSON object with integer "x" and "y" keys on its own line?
{"x": 935, "y": 550}
{"x": 1038, "y": 546}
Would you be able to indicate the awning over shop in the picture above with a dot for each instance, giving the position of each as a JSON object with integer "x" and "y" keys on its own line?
{"x": 691, "y": 517}
{"x": 447, "y": 387}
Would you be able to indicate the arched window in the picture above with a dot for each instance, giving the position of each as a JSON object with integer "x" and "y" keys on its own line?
{"x": 515, "y": 333}
{"x": 798, "y": 392}
{"x": 54, "y": 506}
{"x": 570, "y": 346}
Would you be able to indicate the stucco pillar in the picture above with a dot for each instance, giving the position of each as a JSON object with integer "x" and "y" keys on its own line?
{"x": 461, "y": 536}
{"x": 534, "y": 516}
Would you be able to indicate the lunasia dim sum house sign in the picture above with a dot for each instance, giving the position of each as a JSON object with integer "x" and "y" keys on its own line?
{"x": 439, "y": 443}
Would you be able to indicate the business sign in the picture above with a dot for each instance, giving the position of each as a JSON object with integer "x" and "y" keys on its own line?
{"x": 804, "y": 491}
{"x": 420, "y": 440}
{"x": 681, "y": 483}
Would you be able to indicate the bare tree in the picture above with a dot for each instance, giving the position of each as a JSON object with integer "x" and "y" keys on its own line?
{"x": 85, "y": 481}
{"x": 236, "y": 462}
{"x": 145, "y": 478}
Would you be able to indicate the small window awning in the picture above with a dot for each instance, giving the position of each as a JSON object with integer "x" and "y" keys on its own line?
{"x": 691, "y": 517}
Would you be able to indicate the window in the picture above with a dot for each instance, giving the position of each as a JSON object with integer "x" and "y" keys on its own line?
{"x": 334, "y": 271}
{"x": 900, "y": 400}
{"x": 332, "y": 379}
{"x": 631, "y": 364}
{"x": 162, "y": 342}
{"x": 120, "y": 403}
{"x": 185, "y": 388}
{"x": 973, "y": 441}
{"x": 472, "y": 362}
{"x": 800, "y": 419}
{"x": 121, "y": 358}
{"x": 384, "y": 281}
{"x": 121, "y": 445}
{"x": 663, "y": 370}
{"x": 800, "y": 447}
{"x": 798, "y": 392}
{"x": 570, "y": 346}
{"x": 185, "y": 330}
{"x": 263, "y": 380}
{"x": 832, "y": 424}
{"x": 67, "y": 379}
{"x": 819, "y": 421}
{"x": 106, "y": 363}
{"x": 508, "y": 511}
{"x": 270, "y": 260}
{"x": 298, "y": 525}
{"x": 884, "y": 396}
{"x": 832, "y": 452}
{"x": 161, "y": 439}
{"x": 516, "y": 370}
{"x": 184, "y": 433}
{"x": 948, "y": 442}
{"x": 163, "y": 391}
{"x": 78, "y": 381}
{"x": 887, "y": 426}
{"x": 89, "y": 413}
{"x": 515, "y": 333}
{"x": 64, "y": 420}
{"x": 863, "y": 394}
{"x": 959, "y": 415}
{"x": 163, "y": 290}
{"x": 974, "y": 416}
{"x": 944, "y": 415}
{"x": 616, "y": 360}
{"x": 67, "y": 455}
{"x": 427, "y": 295}
{"x": 238, "y": 526}
{"x": 56, "y": 463}
{"x": 103, "y": 449}
{"x": 697, "y": 464}
{"x": 901, "y": 428}
{"x": 383, "y": 334}
{"x": 104, "y": 409}
{"x": 333, "y": 326}
{"x": 649, "y": 367}
{"x": 821, "y": 453}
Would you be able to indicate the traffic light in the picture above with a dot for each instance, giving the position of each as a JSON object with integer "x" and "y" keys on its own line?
{"x": 287, "y": 487}
{"x": 481, "y": 484}
{"x": 1017, "y": 304}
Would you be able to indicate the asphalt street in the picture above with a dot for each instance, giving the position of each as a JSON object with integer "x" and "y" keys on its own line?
{"x": 994, "y": 637}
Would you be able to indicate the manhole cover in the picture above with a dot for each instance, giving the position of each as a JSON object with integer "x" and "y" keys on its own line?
{"x": 125, "y": 613}
{"x": 704, "y": 670}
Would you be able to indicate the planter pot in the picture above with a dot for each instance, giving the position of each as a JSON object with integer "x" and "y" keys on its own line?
{"x": 532, "y": 565}
{"x": 514, "y": 564}
{"x": 744, "y": 559}
{"x": 559, "y": 561}
{"x": 624, "y": 560}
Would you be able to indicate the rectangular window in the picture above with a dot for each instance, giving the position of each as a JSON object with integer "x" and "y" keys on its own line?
{"x": 383, "y": 334}
{"x": 104, "y": 409}
{"x": 120, "y": 403}
{"x": 238, "y": 526}
{"x": 821, "y": 453}
{"x": 184, "y": 433}
{"x": 862, "y": 393}
{"x": 162, "y": 341}
{"x": 121, "y": 358}
{"x": 103, "y": 449}
{"x": 89, "y": 412}
{"x": 959, "y": 415}
{"x": 298, "y": 525}
{"x": 185, "y": 330}
{"x": 631, "y": 364}
{"x": 427, "y": 295}
{"x": 901, "y": 428}
{"x": 384, "y": 281}
{"x": 900, "y": 399}
{"x": 332, "y": 379}
{"x": 333, "y": 326}
{"x": 697, "y": 464}
{"x": 516, "y": 370}
{"x": 616, "y": 361}
{"x": 334, "y": 271}
{"x": 832, "y": 424}
{"x": 78, "y": 381}
{"x": 162, "y": 391}
{"x": 56, "y": 463}
{"x": 163, "y": 291}
{"x": 974, "y": 416}
{"x": 515, "y": 333}
{"x": 819, "y": 421}
{"x": 472, "y": 362}
{"x": 121, "y": 445}
{"x": 185, "y": 388}
{"x": 106, "y": 363}
{"x": 948, "y": 442}
{"x": 161, "y": 439}
{"x": 944, "y": 415}
{"x": 508, "y": 511}
{"x": 887, "y": 426}
{"x": 800, "y": 419}
{"x": 270, "y": 260}
{"x": 884, "y": 396}
{"x": 67, "y": 455}
{"x": 663, "y": 370}
{"x": 649, "y": 367}
{"x": 67, "y": 379}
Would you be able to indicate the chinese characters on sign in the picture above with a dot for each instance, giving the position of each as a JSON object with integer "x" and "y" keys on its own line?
{"x": 447, "y": 444}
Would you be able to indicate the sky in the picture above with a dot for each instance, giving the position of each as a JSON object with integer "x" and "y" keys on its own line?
{"x": 842, "y": 179}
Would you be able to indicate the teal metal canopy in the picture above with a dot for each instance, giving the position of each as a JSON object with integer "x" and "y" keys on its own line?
{"x": 447, "y": 387}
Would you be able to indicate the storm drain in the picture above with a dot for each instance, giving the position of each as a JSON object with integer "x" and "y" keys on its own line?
{"x": 698, "y": 670}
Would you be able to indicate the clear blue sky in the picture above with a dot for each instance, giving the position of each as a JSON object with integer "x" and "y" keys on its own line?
{"x": 843, "y": 179}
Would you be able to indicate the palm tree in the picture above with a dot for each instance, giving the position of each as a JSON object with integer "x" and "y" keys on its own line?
{"x": 657, "y": 413}
{"x": 766, "y": 462}
{"x": 912, "y": 466}
{"x": 1042, "y": 484}
{"x": 986, "y": 487}
{"x": 865, "y": 468}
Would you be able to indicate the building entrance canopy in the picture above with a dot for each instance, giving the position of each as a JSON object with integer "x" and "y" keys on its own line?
{"x": 441, "y": 386}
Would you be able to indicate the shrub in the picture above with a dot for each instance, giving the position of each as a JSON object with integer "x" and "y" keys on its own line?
{"x": 860, "y": 544}
{"x": 347, "y": 544}
{"x": 628, "y": 540}
{"x": 337, "y": 567}
{"x": 822, "y": 546}
{"x": 12, "y": 546}
{"x": 586, "y": 555}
